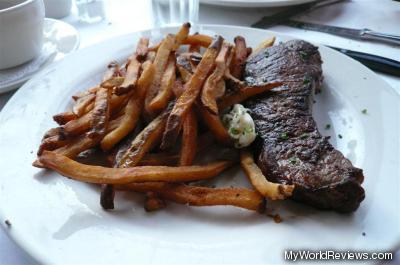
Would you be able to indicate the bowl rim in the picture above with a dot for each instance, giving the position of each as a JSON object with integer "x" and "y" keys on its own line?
{"x": 17, "y": 6}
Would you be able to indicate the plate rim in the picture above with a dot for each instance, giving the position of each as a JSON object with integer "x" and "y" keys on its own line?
{"x": 18, "y": 237}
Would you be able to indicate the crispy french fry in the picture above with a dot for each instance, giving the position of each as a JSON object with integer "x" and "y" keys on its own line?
{"x": 114, "y": 81}
{"x": 107, "y": 196}
{"x": 78, "y": 126}
{"x": 51, "y": 143}
{"x": 145, "y": 78}
{"x": 160, "y": 63}
{"x": 160, "y": 101}
{"x": 142, "y": 49}
{"x": 264, "y": 44}
{"x": 159, "y": 159}
{"x": 127, "y": 123}
{"x": 215, "y": 125}
{"x": 153, "y": 202}
{"x": 112, "y": 71}
{"x": 143, "y": 142}
{"x": 185, "y": 73}
{"x": 201, "y": 196}
{"x": 194, "y": 47}
{"x": 189, "y": 139}
{"x": 270, "y": 190}
{"x": 102, "y": 175}
{"x": 81, "y": 104}
{"x": 198, "y": 39}
{"x": 82, "y": 124}
{"x": 239, "y": 58}
{"x": 100, "y": 114}
{"x": 178, "y": 88}
{"x": 245, "y": 93}
{"x": 209, "y": 92}
{"x": 64, "y": 117}
{"x": 192, "y": 90}
{"x": 132, "y": 72}
{"x": 181, "y": 35}
{"x": 132, "y": 110}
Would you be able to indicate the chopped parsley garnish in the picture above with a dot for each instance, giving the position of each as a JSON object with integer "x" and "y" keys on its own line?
{"x": 284, "y": 136}
{"x": 234, "y": 131}
{"x": 340, "y": 136}
{"x": 306, "y": 80}
{"x": 364, "y": 111}
{"x": 327, "y": 127}
{"x": 304, "y": 55}
{"x": 292, "y": 160}
{"x": 304, "y": 136}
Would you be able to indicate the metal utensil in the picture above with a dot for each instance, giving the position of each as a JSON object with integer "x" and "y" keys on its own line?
{"x": 359, "y": 34}
{"x": 281, "y": 16}
{"x": 374, "y": 62}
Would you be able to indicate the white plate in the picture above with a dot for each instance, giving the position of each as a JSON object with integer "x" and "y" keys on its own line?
{"x": 60, "y": 221}
{"x": 60, "y": 39}
{"x": 255, "y": 3}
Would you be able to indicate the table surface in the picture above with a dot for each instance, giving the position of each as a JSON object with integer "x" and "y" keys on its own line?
{"x": 125, "y": 16}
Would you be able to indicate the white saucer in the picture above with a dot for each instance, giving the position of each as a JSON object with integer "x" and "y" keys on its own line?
{"x": 60, "y": 39}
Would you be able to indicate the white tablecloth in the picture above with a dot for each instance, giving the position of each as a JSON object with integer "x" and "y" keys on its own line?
{"x": 124, "y": 16}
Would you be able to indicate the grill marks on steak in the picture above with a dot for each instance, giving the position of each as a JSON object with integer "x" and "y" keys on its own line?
{"x": 290, "y": 148}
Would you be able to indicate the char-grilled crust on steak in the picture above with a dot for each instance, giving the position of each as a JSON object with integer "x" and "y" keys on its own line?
{"x": 290, "y": 148}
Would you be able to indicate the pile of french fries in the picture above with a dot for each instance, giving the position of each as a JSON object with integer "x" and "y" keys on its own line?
{"x": 140, "y": 109}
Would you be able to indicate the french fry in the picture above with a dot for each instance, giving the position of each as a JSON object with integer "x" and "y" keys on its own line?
{"x": 64, "y": 117}
{"x": 159, "y": 159}
{"x": 181, "y": 35}
{"x": 127, "y": 123}
{"x": 160, "y": 101}
{"x": 194, "y": 47}
{"x": 103, "y": 175}
{"x": 112, "y": 71}
{"x": 215, "y": 125}
{"x": 178, "y": 88}
{"x": 132, "y": 72}
{"x": 144, "y": 142}
{"x": 201, "y": 196}
{"x": 209, "y": 92}
{"x": 142, "y": 49}
{"x": 133, "y": 110}
{"x": 153, "y": 202}
{"x": 191, "y": 91}
{"x": 100, "y": 114}
{"x": 245, "y": 93}
{"x": 83, "y": 123}
{"x": 145, "y": 78}
{"x": 270, "y": 190}
{"x": 189, "y": 139}
{"x": 81, "y": 104}
{"x": 107, "y": 196}
{"x": 198, "y": 39}
{"x": 113, "y": 82}
{"x": 160, "y": 63}
{"x": 78, "y": 126}
{"x": 51, "y": 143}
{"x": 264, "y": 44}
{"x": 239, "y": 58}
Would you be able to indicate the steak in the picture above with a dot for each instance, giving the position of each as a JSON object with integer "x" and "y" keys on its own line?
{"x": 289, "y": 148}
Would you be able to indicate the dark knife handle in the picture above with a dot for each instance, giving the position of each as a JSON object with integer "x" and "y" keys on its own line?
{"x": 374, "y": 62}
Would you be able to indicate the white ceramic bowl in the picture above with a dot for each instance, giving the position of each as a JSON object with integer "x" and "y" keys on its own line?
{"x": 21, "y": 31}
{"x": 57, "y": 8}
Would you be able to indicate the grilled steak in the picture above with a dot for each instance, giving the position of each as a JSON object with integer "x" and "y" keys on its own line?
{"x": 290, "y": 149}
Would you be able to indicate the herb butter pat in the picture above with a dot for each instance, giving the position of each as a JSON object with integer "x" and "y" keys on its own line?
{"x": 240, "y": 126}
